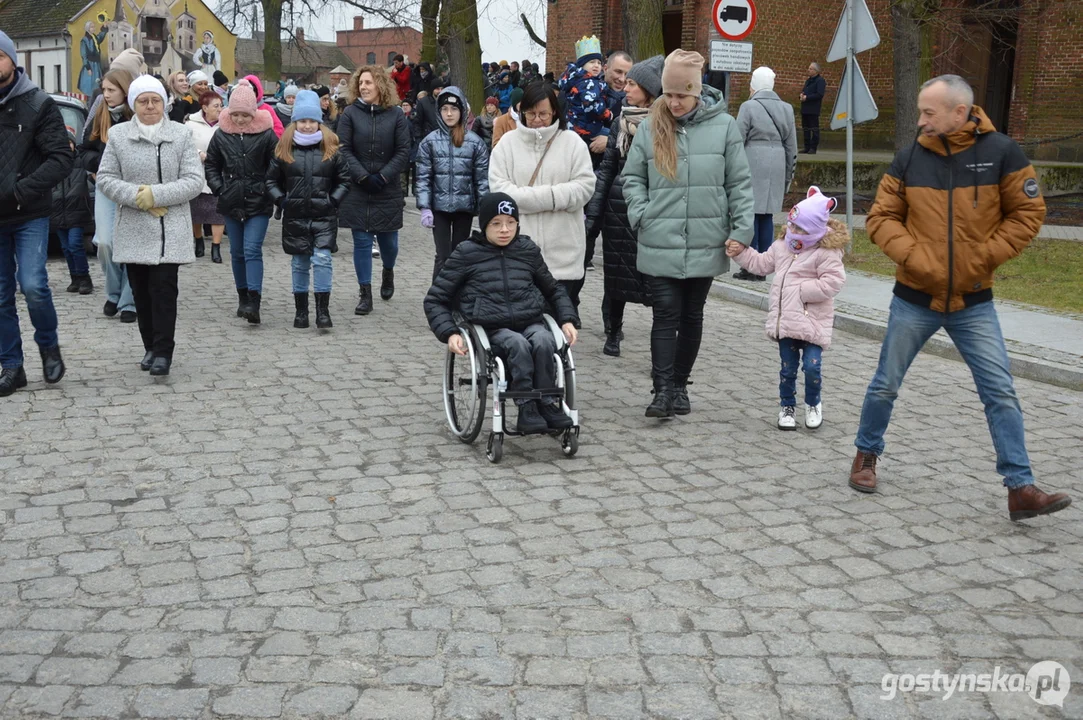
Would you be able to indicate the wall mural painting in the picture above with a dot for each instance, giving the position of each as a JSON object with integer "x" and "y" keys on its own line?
{"x": 172, "y": 35}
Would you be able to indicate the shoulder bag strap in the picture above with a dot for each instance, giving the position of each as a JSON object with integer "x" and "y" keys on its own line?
{"x": 772, "y": 119}
{"x": 542, "y": 159}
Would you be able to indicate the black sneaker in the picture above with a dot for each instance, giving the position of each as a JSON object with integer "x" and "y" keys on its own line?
{"x": 554, "y": 416}
{"x": 110, "y": 308}
{"x": 530, "y": 420}
{"x": 11, "y": 379}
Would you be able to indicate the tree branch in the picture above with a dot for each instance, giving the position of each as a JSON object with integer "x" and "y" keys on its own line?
{"x": 530, "y": 30}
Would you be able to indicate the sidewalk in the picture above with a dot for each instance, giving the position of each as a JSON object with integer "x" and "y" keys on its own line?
{"x": 1047, "y": 232}
{"x": 1043, "y": 346}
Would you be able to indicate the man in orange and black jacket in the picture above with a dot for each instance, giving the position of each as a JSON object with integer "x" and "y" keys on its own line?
{"x": 959, "y": 202}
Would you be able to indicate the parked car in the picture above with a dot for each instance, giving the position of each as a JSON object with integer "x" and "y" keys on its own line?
{"x": 74, "y": 112}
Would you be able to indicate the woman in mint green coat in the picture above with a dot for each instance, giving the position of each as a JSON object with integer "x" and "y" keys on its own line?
{"x": 688, "y": 189}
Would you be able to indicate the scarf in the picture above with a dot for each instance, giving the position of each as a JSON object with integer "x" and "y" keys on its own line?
{"x": 284, "y": 109}
{"x": 308, "y": 139}
{"x": 116, "y": 114}
{"x": 149, "y": 132}
{"x": 630, "y": 117}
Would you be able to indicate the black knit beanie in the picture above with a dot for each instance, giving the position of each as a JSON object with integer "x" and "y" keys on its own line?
{"x": 495, "y": 204}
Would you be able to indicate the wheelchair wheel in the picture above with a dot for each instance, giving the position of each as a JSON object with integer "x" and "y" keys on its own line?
{"x": 465, "y": 384}
{"x": 495, "y": 450}
{"x": 570, "y": 442}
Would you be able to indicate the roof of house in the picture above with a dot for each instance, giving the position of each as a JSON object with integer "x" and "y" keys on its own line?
{"x": 297, "y": 58}
{"x": 23, "y": 18}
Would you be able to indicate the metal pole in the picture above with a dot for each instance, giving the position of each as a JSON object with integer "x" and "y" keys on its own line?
{"x": 852, "y": 76}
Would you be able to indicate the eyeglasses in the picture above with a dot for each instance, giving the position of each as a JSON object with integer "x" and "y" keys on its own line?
{"x": 539, "y": 115}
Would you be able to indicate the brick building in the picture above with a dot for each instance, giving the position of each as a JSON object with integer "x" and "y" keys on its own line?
{"x": 379, "y": 46}
{"x": 304, "y": 61}
{"x": 1026, "y": 68}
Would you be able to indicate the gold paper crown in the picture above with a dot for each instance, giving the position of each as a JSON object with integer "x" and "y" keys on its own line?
{"x": 588, "y": 46}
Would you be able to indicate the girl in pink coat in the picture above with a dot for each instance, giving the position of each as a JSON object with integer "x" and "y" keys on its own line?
{"x": 807, "y": 262}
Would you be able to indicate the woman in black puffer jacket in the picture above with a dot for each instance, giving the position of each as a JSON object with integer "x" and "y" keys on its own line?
{"x": 308, "y": 179}
{"x": 375, "y": 138}
{"x": 607, "y": 212}
{"x": 236, "y": 169}
{"x": 452, "y": 176}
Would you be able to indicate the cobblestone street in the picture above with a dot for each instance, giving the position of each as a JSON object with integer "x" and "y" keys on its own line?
{"x": 284, "y": 527}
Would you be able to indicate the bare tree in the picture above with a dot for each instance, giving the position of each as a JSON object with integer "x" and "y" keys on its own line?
{"x": 643, "y": 27}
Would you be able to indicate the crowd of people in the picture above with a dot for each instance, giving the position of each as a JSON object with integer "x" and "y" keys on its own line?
{"x": 642, "y": 154}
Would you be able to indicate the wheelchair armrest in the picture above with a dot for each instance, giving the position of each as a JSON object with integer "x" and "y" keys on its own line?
{"x": 554, "y": 328}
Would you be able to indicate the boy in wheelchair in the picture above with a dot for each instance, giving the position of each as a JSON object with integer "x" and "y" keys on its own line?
{"x": 498, "y": 280}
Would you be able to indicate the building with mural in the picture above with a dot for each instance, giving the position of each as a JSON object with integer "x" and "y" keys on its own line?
{"x": 67, "y": 46}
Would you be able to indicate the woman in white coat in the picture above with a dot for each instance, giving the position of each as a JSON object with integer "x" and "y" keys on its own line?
{"x": 547, "y": 169}
{"x": 151, "y": 170}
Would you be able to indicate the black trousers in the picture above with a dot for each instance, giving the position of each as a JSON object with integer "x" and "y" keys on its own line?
{"x": 810, "y": 126}
{"x": 677, "y": 329}
{"x": 529, "y": 357}
{"x": 154, "y": 289}
{"x": 612, "y": 313}
{"x": 448, "y": 230}
{"x": 574, "y": 287}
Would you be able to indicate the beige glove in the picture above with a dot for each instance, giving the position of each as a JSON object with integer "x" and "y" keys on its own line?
{"x": 144, "y": 198}
{"x": 158, "y": 212}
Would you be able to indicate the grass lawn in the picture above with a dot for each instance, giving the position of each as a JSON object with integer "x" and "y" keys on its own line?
{"x": 1048, "y": 273}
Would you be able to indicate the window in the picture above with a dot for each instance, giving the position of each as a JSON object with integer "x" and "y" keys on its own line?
{"x": 59, "y": 81}
{"x": 391, "y": 57}
{"x": 370, "y": 59}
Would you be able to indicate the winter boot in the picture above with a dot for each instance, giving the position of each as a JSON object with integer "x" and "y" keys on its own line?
{"x": 364, "y": 301}
{"x": 530, "y": 420}
{"x": 661, "y": 406}
{"x": 323, "y": 312}
{"x": 242, "y": 301}
{"x": 681, "y": 404}
{"x": 387, "y": 287}
{"x": 252, "y": 309}
{"x": 300, "y": 300}
{"x": 74, "y": 287}
{"x": 612, "y": 344}
{"x": 216, "y": 252}
{"x": 86, "y": 285}
{"x": 201, "y": 247}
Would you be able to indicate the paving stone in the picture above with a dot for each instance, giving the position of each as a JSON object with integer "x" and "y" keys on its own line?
{"x": 172, "y": 703}
{"x": 393, "y": 705}
{"x": 262, "y": 701}
{"x": 326, "y": 701}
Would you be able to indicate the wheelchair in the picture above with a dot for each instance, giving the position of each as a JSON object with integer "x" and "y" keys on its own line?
{"x": 468, "y": 378}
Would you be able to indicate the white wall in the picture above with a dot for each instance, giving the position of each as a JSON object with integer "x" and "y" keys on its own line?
{"x": 45, "y": 53}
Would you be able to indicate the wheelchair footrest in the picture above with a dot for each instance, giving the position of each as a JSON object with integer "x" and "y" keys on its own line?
{"x": 532, "y": 394}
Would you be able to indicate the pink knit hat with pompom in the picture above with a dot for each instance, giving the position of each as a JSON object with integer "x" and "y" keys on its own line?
{"x": 242, "y": 99}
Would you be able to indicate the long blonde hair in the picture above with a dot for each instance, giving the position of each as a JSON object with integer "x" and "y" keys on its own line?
{"x": 664, "y": 137}
{"x": 99, "y": 130}
{"x": 284, "y": 149}
{"x": 386, "y": 94}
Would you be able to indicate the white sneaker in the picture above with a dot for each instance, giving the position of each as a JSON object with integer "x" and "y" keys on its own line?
{"x": 375, "y": 250}
{"x": 814, "y": 416}
{"x": 787, "y": 418}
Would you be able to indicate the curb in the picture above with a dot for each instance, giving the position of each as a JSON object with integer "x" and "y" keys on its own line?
{"x": 1023, "y": 366}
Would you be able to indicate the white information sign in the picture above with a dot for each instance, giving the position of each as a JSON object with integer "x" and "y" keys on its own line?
{"x": 730, "y": 56}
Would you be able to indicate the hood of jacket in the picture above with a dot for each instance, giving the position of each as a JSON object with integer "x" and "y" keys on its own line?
{"x": 837, "y": 236}
{"x": 465, "y": 109}
{"x": 23, "y": 85}
{"x": 198, "y": 119}
{"x": 261, "y": 122}
{"x": 257, "y": 86}
{"x": 711, "y": 105}
{"x": 978, "y": 124}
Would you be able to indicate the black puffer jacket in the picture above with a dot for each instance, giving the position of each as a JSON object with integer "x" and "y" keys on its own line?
{"x": 71, "y": 201}
{"x": 34, "y": 152}
{"x": 375, "y": 141}
{"x": 495, "y": 287}
{"x": 236, "y": 167}
{"x": 452, "y": 179}
{"x": 607, "y": 214}
{"x": 309, "y": 191}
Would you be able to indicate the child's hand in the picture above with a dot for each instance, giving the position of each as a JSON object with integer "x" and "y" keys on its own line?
{"x": 570, "y": 333}
{"x": 456, "y": 345}
{"x": 734, "y": 248}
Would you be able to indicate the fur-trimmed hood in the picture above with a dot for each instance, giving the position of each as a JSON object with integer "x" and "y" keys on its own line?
{"x": 837, "y": 237}
{"x": 261, "y": 122}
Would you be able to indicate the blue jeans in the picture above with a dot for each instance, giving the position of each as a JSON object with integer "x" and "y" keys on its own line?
{"x": 71, "y": 242}
{"x": 976, "y": 334}
{"x": 24, "y": 248}
{"x": 320, "y": 262}
{"x": 763, "y": 229}
{"x": 362, "y": 252}
{"x": 246, "y": 250}
{"x": 809, "y": 357}
{"x": 117, "y": 289}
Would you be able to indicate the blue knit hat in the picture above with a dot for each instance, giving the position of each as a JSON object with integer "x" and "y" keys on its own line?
{"x": 307, "y": 107}
{"x": 7, "y": 46}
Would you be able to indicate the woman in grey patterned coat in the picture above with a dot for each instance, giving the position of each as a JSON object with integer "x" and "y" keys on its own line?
{"x": 767, "y": 125}
{"x": 151, "y": 169}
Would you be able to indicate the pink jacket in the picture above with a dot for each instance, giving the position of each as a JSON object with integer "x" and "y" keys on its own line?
{"x": 801, "y": 305}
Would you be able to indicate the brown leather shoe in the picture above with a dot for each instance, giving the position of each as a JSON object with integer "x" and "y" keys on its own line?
{"x": 863, "y": 472}
{"x": 1028, "y": 501}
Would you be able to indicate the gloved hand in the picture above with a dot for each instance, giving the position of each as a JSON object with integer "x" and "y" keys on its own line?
{"x": 373, "y": 183}
{"x": 158, "y": 212}
{"x": 278, "y": 212}
{"x": 144, "y": 198}
{"x": 427, "y": 220}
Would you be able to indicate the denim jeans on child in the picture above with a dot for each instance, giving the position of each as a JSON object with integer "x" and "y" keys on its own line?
{"x": 71, "y": 242}
{"x": 246, "y": 250}
{"x": 809, "y": 357}
{"x": 24, "y": 248}
{"x": 117, "y": 289}
{"x": 320, "y": 262}
{"x": 763, "y": 232}
{"x": 362, "y": 252}
{"x": 977, "y": 336}
{"x": 529, "y": 357}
